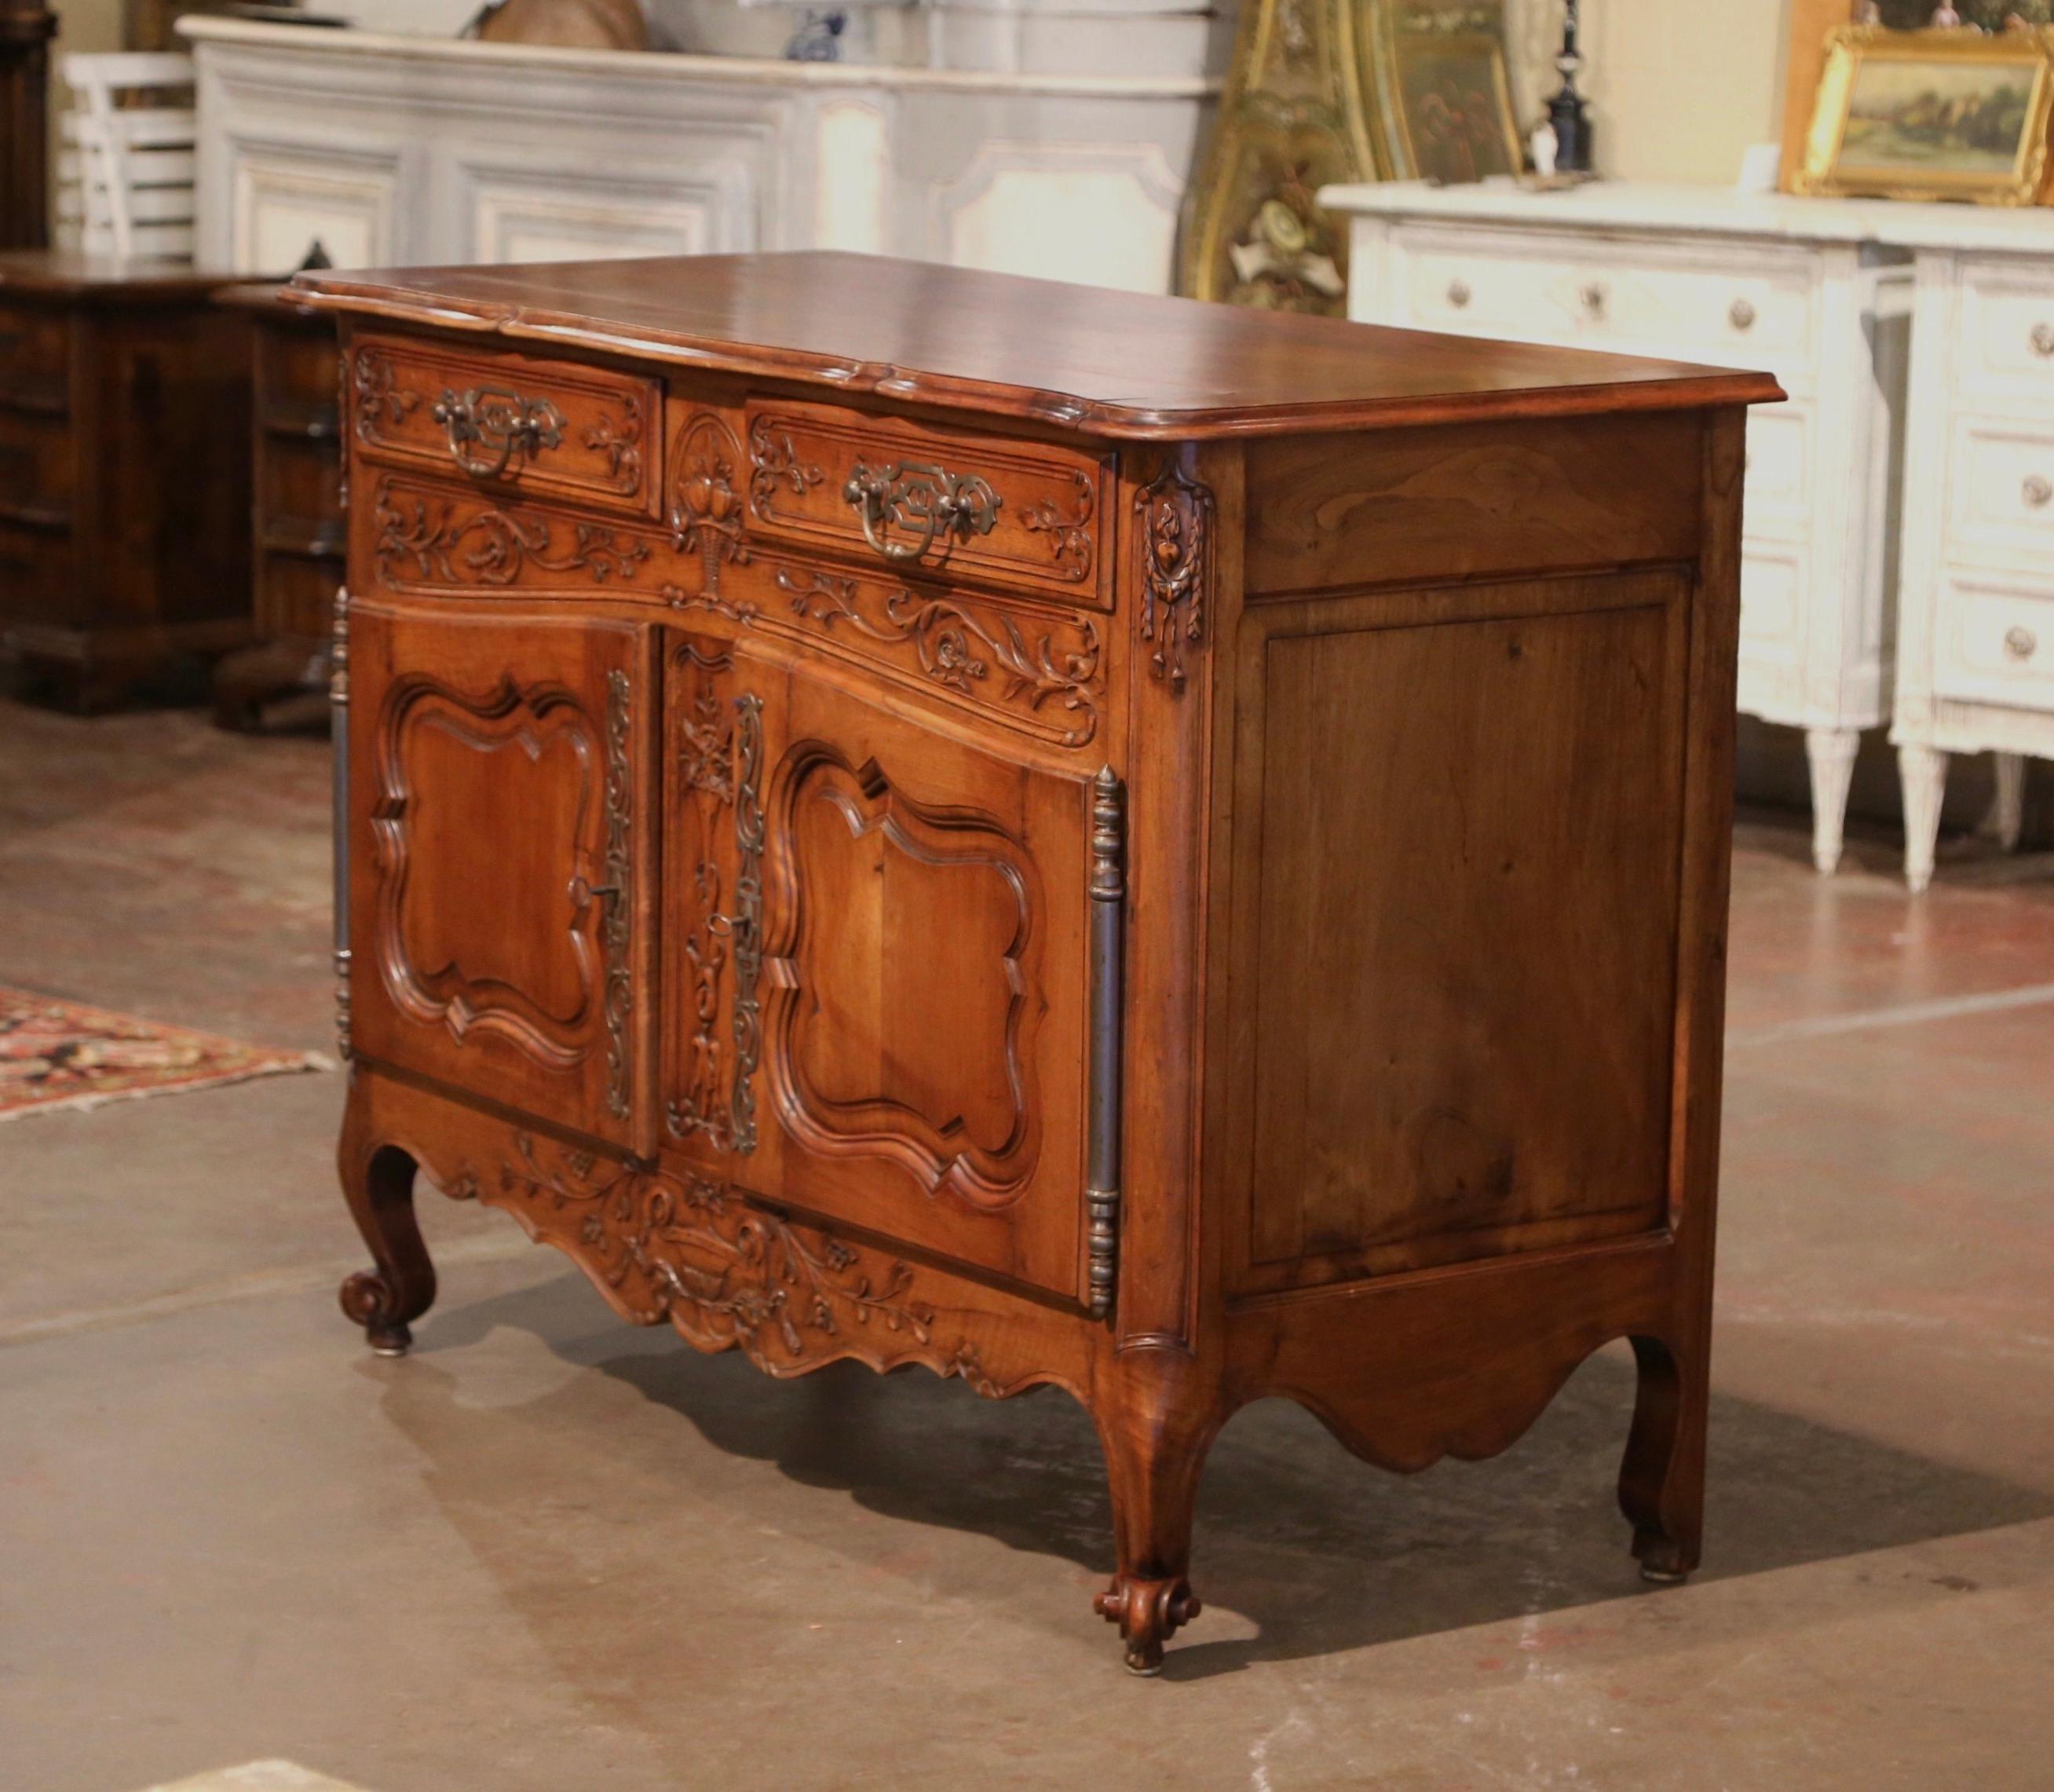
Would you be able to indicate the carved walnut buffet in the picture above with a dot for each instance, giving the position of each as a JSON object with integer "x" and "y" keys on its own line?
{"x": 900, "y": 813}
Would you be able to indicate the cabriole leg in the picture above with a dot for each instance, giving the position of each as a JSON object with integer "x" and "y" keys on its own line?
{"x": 378, "y": 1182}
{"x": 1662, "y": 1482}
{"x": 1155, "y": 1447}
{"x": 1831, "y": 752}
{"x": 1922, "y": 771}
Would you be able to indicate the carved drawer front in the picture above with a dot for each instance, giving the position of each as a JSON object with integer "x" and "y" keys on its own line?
{"x": 547, "y": 428}
{"x": 915, "y": 497}
{"x": 35, "y": 471}
{"x": 1994, "y": 641}
{"x": 876, "y": 968}
{"x": 430, "y": 536}
{"x": 499, "y": 806}
{"x": 35, "y": 361}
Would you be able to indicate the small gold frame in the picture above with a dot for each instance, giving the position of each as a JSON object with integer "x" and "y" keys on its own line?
{"x": 1832, "y": 168}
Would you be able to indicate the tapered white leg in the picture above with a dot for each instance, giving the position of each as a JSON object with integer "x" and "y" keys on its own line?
{"x": 1922, "y": 770}
{"x": 1832, "y": 752}
{"x": 2006, "y": 819}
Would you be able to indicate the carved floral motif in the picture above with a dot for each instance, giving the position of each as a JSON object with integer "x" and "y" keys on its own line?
{"x": 1069, "y": 537}
{"x": 774, "y": 462}
{"x": 620, "y": 443}
{"x": 614, "y": 936}
{"x": 959, "y": 647}
{"x": 728, "y": 1274}
{"x": 380, "y": 398}
{"x": 438, "y": 541}
{"x": 706, "y": 509}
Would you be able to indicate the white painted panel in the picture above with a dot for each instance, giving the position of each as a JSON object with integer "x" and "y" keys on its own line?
{"x": 1071, "y": 212}
{"x": 284, "y": 201}
{"x": 848, "y": 191}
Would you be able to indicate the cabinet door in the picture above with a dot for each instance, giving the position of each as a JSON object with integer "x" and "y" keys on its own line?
{"x": 878, "y": 963}
{"x": 497, "y": 789}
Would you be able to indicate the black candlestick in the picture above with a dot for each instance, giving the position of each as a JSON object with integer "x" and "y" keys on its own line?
{"x": 1568, "y": 111}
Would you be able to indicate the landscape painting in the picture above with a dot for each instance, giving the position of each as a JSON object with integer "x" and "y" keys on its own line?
{"x": 1966, "y": 117}
{"x": 1932, "y": 114}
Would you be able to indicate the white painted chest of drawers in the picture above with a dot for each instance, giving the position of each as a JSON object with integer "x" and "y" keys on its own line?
{"x": 1799, "y": 287}
{"x": 1976, "y": 669}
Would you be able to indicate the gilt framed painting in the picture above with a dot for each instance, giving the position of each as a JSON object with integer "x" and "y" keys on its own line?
{"x": 1932, "y": 114}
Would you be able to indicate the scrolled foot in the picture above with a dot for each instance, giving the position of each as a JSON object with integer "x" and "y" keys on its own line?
{"x": 1149, "y": 1613}
{"x": 370, "y": 1301}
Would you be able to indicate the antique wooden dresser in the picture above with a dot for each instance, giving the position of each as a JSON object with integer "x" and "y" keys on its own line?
{"x": 907, "y": 814}
{"x": 124, "y": 469}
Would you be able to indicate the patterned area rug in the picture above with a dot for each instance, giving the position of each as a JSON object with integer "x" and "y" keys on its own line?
{"x": 55, "y": 1055}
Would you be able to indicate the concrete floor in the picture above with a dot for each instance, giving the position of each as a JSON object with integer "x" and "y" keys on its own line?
{"x": 547, "y": 1553}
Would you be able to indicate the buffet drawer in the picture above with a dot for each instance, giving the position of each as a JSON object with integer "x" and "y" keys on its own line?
{"x": 550, "y": 429}
{"x": 35, "y": 471}
{"x": 1772, "y": 602}
{"x": 1584, "y": 293}
{"x": 35, "y": 361}
{"x": 1779, "y": 440}
{"x": 2002, "y": 486}
{"x": 917, "y": 496}
{"x": 443, "y": 537}
{"x": 2008, "y": 332}
{"x": 1993, "y": 642}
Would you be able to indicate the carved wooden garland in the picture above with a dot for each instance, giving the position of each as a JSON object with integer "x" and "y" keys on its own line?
{"x": 1177, "y": 517}
{"x": 720, "y": 764}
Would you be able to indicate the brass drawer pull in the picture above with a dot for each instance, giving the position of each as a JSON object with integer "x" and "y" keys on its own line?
{"x": 2037, "y": 491}
{"x": 489, "y": 426}
{"x": 2042, "y": 339}
{"x": 1742, "y": 315}
{"x": 921, "y": 502}
{"x": 1458, "y": 294}
{"x": 2020, "y": 643}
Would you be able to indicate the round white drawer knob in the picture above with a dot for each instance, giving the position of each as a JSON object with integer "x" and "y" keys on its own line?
{"x": 2037, "y": 491}
{"x": 2043, "y": 339}
{"x": 2020, "y": 643}
{"x": 1458, "y": 294}
{"x": 1741, "y": 316}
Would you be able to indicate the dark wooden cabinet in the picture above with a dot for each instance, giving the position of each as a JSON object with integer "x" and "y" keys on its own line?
{"x": 125, "y": 469}
{"x": 907, "y": 815}
{"x": 296, "y": 515}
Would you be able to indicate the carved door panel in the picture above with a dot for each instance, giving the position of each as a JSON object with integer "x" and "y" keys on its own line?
{"x": 497, "y": 792}
{"x": 880, "y": 960}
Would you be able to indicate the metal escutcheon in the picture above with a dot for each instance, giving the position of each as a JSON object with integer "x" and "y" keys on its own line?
{"x": 489, "y": 426}
{"x": 904, "y": 509}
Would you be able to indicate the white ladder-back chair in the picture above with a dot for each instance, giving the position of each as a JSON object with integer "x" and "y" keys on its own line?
{"x": 125, "y": 166}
